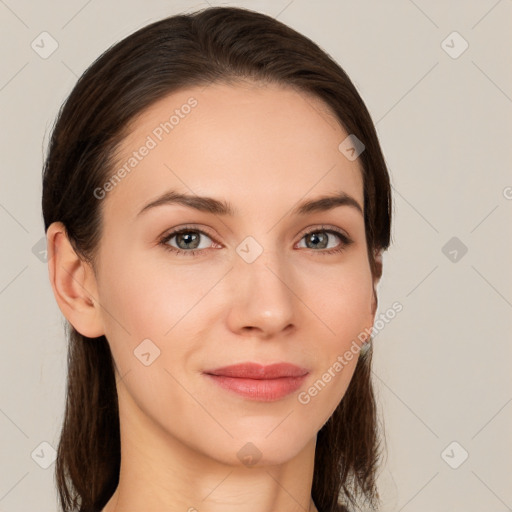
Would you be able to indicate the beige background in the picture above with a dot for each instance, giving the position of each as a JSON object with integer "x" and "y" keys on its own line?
{"x": 442, "y": 365}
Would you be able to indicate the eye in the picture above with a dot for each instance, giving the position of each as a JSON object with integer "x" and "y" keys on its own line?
{"x": 319, "y": 238}
{"x": 188, "y": 240}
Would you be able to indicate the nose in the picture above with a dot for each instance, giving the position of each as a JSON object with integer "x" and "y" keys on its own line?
{"x": 263, "y": 301}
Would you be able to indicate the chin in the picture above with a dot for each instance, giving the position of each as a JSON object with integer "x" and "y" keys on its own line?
{"x": 265, "y": 450}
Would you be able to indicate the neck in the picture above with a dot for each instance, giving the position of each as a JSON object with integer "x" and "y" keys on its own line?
{"x": 161, "y": 473}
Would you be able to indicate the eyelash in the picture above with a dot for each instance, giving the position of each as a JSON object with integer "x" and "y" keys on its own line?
{"x": 345, "y": 241}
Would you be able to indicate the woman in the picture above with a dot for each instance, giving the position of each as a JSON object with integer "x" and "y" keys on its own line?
{"x": 216, "y": 205}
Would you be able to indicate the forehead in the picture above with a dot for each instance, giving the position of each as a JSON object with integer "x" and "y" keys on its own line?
{"x": 264, "y": 144}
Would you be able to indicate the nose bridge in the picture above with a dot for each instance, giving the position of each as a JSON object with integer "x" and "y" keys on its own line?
{"x": 262, "y": 291}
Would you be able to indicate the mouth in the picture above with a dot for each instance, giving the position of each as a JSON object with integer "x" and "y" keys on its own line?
{"x": 258, "y": 382}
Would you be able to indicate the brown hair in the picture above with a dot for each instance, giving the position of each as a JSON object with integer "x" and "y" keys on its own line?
{"x": 218, "y": 44}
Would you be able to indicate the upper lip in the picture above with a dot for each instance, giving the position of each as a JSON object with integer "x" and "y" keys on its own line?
{"x": 259, "y": 371}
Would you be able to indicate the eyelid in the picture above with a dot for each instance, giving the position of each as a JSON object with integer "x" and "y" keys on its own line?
{"x": 186, "y": 227}
{"x": 324, "y": 227}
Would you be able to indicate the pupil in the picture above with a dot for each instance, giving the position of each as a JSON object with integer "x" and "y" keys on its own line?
{"x": 187, "y": 236}
{"x": 314, "y": 236}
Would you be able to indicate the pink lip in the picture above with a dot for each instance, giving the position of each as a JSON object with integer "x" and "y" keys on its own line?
{"x": 258, "y": 382}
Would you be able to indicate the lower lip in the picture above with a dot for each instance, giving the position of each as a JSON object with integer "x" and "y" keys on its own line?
{"x": 264, "y": 390}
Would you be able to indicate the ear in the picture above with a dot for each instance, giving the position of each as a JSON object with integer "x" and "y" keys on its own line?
{"x": 74, "y": 283}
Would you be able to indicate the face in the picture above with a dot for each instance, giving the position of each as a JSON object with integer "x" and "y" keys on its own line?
{"x": 262, "y": 281}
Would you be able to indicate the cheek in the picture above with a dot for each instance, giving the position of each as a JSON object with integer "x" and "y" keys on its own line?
{"x": 150, "y": 314}
{"x": 340, "y": 317}
{"x": 344, "y": 311}
{"x": 340, "y": 300}
{"x": 149, "y": 299}
{"x": 169, "y": 305}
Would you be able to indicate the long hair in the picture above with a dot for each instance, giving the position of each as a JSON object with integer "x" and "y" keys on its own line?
{"x": 214, "y": 45}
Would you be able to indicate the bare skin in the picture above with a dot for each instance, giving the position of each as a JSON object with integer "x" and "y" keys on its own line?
{"x": 263, "y": 149}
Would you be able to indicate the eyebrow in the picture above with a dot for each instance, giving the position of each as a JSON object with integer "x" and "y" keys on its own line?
{"x": 221, "y": 207}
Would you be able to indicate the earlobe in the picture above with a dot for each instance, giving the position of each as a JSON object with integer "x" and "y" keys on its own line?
{"x": 73, "y": 283}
